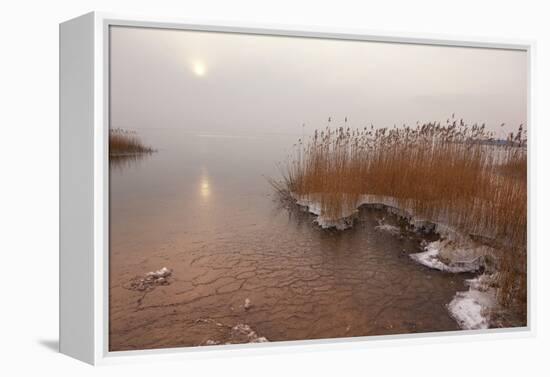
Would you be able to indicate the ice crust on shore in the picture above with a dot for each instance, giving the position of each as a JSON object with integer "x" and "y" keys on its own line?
{"x": 391, "y": 229}
{"x": 388, "y": 228}
{"x": 346, "y": 216}
{"x": 150, "y": 280}
{"x": 344, "y": 221}
{"x": 431, "y": 258}
{"x": 245, "y": 330}
{"x": 240, "y": 333}
{"x": 453, "y": 253}
{"x": 472, "y": 308}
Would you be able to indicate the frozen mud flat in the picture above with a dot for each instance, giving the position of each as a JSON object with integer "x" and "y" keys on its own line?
{"x": 300, "y": 282}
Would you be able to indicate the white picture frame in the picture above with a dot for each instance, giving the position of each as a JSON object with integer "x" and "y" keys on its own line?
{"x": 84, "y": 188}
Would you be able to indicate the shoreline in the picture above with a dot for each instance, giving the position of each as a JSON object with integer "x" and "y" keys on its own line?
{"x": 453, "y": 253}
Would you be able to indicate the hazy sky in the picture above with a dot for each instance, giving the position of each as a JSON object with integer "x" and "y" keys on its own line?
{"x": 218, "y": 82}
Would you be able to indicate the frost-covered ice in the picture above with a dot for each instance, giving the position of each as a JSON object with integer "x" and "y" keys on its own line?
{"x": 388, "y": 228}
{"x": 340, "y": 224}
{"x": 243, "y": 330}
{"x": 472, "y": 308}
{"x": 343, "y": 221}
{"x": 150, "y": 280}
{"x": 162, "y": 273}
{"x": 431, "y": 258}
{"x": 394, "y": 230}
{"x": 347, "y": 214}
{"x": 238, "y": 334}
{"x": 466, "y": 308}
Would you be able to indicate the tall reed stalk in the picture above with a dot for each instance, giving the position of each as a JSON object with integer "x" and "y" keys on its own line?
{"x": 451, "y": 173}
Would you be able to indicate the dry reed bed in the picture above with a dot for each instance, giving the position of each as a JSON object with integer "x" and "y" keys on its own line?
{"x": 124, "y": 143}
{"x": 454, "y": 174}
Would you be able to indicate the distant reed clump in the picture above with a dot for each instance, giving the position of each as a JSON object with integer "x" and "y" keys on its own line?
{"x": 453, "y": 173}
{"x": 126, "y": 143}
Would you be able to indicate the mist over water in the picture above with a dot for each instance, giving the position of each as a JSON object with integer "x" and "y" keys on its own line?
{"x": 276, "y": 84}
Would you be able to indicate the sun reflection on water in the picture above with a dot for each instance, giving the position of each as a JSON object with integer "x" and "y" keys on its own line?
{"x": 204, "y": 186}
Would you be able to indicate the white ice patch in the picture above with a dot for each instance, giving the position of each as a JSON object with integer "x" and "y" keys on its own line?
{"x": 150, "y": 280}
{"x": 162, "y": 273}
{"x": 471, "y": 309}
{"x": 311, "y": 205}
{"x": 239, "y": 334}
{"x": 245, "y": 330}
{"x": 343, "y": 221}
{"x": 431, "y": 258}
{"x": 394, "y": 230}
{"x": 340, "y": 224}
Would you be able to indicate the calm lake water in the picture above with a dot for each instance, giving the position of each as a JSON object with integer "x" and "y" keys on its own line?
{"x": 202, "y": 207}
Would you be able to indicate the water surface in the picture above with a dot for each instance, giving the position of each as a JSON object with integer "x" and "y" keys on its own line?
{"x": 202, "y": 207}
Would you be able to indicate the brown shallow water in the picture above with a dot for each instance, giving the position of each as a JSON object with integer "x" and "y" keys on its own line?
{"x": 201, "y": 207}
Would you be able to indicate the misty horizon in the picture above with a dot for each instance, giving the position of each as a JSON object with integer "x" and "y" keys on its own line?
{"x": 228, "y": 82}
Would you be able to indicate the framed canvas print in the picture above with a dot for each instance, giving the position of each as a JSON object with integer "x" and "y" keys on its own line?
{"x": 228, "y": 188}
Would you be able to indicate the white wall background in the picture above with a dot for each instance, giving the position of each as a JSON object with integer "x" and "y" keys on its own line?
{"x": 29, "y": 185}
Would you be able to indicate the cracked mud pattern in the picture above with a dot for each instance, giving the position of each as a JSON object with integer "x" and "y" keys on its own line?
{"x": 226, "y": 240}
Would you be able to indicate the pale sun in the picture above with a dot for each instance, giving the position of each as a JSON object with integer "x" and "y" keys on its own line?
{"x": 199, "y": 69}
